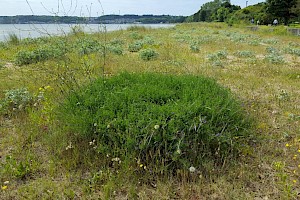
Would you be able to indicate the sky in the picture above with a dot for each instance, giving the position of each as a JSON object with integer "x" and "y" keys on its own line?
{"x": 88, "y": 8}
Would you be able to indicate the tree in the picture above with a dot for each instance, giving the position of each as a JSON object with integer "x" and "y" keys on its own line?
{"x": 296, "y": 11}
{"x": 222, "y": 14}
{"x": 215, "y": 10}
{"x": 281, "y": 8}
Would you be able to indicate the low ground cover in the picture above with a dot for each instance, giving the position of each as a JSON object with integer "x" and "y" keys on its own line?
{"x": 49, "y": 154}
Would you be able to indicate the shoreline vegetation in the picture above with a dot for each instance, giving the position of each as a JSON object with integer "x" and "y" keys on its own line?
{"x": 195, "y": 111}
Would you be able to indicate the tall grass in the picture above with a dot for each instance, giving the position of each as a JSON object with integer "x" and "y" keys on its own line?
{"x": 13, "y": 39}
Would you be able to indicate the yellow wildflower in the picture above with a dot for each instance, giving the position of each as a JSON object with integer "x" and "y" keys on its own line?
{"x": 47, "y": 87}
{"x": 294, "y": 181}
{"x": 141, "y": 165}
{"x": 4, "y": 187}
{"x": 287, "y": 145}
{"x": 299, "y": 150}
{"x": 295, "y": 157}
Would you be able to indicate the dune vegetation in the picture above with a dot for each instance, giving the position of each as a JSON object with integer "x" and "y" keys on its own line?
{"x": 196, "y": 111}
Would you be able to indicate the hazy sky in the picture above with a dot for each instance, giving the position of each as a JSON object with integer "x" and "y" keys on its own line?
{"x": 94, "y": 7}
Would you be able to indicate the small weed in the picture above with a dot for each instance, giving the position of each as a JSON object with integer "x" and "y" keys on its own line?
{"x": 219, "y": 55}
{"x": 148, "y": 54}
{"x": 136, "y": 36}
{"x": 293, "y": 51}
{"x": 117, "y": 42}
{"x": 148, "y": 40}
{"x": 174, "y": 63}
{"x": 116, "y": 49}
{"x": 274, "y": 58}
{"x": 271, "y": 41}
{"x": 17, "y": 100}
{"x": 254, "y": 42}
{"x": 283, "y": 96}
{"x": 136, "y": 46}
{"x": 13, "y": 39}
{"x": 272, "y": 50}
{"x": 244, "y": 54}
{"x": 16, "y": 169}
{"x": 218, "y": 63}
{"x": 194, "y": 48}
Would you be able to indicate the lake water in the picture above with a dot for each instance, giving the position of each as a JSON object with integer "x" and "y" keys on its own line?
{"x": 38, "y": 30}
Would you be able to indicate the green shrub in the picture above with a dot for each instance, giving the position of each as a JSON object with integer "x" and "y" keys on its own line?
{"x": 15, "y": 100}
{"x": 87, "y": 45}
{"x": 148, "y": 40}
{"x": 293, "y": 51}
{"x": 245, "y": 54}
{"x": 116, "y": 49}
{"x": 163, "y": 122}
{"x": 222, "y": 54}
{"x": 194, "y": 48}
{"x": 274, "y": 58}
{"x": 136, "y": 36}
{"x": 272, "y": 50}
{"x": 271, "y": 41}
{"x": 148, "y": 54}
{"x": 25, "y": 57}
{"x": 18, "y": 169}
{"x": 117, "y": 42}
{"x": 136, "y": 46}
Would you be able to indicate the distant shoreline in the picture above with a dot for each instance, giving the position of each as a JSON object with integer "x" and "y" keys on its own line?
{"x": 39, "y": 30}
{"x": 105, "y": 19}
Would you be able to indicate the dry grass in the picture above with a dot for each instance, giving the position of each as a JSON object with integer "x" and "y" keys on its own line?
{"x": 270, "y": 92}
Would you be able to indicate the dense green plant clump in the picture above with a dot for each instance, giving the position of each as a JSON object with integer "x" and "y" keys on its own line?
{"x": 163, "y": 122}
{"x": 135, "y": 47}
{"x": 25, "y": 57}
{"x": 87, "y": 45}
{"x": 148, "y": 54}
{"x": 17, "y": 100}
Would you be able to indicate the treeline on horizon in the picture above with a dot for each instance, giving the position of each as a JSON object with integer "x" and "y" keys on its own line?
{"x": 105, "y": 19}
{"x": 285, "y": 11}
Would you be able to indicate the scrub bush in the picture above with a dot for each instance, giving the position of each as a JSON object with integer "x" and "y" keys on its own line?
{"x": 148, "y": 54}
{"x": 25, "y": 57}
{"x": 163, "y": 122}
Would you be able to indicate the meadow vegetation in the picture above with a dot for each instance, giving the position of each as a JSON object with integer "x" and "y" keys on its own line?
{"x": 197, "y": 111}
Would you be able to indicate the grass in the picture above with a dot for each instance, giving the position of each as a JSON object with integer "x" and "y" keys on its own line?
{"x": 159, "y": 123}
{"x": 43, "y": 158}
